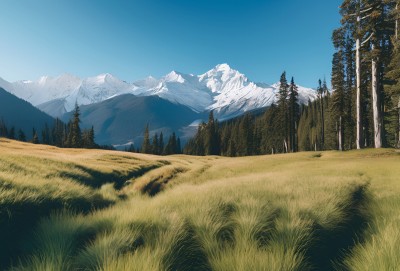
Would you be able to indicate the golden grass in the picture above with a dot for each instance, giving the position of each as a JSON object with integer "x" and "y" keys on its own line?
{"x": 304, "y": 211}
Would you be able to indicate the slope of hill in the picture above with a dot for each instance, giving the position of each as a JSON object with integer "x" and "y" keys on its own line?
{"x": 22, "y": 115}
{"x": 205, "y": 213}
{"x": 122, "y": 119}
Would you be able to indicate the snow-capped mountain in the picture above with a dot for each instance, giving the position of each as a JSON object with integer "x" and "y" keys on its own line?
{"x": 66, "y": 90}
{"x": 222, "y": 89}
{"x": 178, "y": 88}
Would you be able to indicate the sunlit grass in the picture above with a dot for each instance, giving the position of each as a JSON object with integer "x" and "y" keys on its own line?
{"x": 283, "y": 212}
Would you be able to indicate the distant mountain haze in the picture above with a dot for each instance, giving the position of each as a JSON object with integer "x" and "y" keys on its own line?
{"x": 122, "y": 120}
{"x": 20, "y": 114}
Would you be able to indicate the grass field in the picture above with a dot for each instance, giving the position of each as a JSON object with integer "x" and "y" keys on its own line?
{"x": 66, "y": 209}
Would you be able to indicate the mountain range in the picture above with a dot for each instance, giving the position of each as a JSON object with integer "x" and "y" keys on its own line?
{"x": 21, "y": 115}
{"x": 222, "y": 89}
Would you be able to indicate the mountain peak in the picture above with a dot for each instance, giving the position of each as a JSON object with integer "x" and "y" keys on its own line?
{"x": 104, "y": 76}
{"x": 223, "y": 67}
{"x": 174, "y": 76}
{"x": 43, "y": 79}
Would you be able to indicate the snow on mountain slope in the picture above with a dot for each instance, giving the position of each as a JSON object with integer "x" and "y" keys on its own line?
{"x": 233, "y": 92}
{"x": 46, "y": 88}
{"x": 57, "y": 95}
{"x": 180, "y": 89}
{"x": 222, "y": 89}
{"x": 96, "y": 89}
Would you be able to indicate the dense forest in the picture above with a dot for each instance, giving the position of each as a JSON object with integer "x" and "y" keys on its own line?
{"x": 60, "y": 134}
{"x": 361, "y": 110}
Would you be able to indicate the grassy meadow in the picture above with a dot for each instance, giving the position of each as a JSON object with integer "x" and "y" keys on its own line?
{"x": 67, "y": 209}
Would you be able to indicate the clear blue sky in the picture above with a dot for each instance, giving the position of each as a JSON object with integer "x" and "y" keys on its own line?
{"x": 132, "y": 39}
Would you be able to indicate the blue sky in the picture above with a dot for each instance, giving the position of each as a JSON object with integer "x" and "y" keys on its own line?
{"x": 132, "y": 39}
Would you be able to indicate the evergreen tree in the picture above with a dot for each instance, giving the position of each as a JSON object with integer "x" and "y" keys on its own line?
{"x": 212, "y": 144}
{"x": 35, "y": 137}
{"x": 283, "y": 96}
{"x": 338, "y": 106}
{"x": 294, "y": 111}
{"x": 58, "y": 133}
{"x": 46, "y": 135}
{"x": 3, "y": 129}
{"x": 92, "y": 143}
{"x": 178, "y": 146}
{"x": 146, "y": 146}
{"x": 321, "y": 94}
{"x": 171, "y": 147}
{"x": 131, "y": 148}
{"x": 392, "y": 88}
{"x": 88, "y": 138}
{"x": 75, "y": 135}
{"x": 21, "y": 136}
{"x": 161, "y": 144}
{"x": 11, "y": 133}
{"x": 155, "y": 145}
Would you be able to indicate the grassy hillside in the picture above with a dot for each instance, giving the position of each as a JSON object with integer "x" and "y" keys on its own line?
{"x": 103, "y": 210}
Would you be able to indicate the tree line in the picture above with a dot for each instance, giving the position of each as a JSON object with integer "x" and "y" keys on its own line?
{"x": 70, "y": 135}
{"x": 156, "y": 145}
{"x": 275, "y": 131}
{"x": 62, "y": 135}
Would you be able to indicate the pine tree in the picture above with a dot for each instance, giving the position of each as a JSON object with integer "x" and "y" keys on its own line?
{"x": 212, "y": 142}
{"x": 21, "y": 136}
{"x": 58, "y": 133}
{"x": 88, "y": 138}
{"x": 46, "y": 135}
{"x": 339, "y": 84}
{"x": 161, "y": 144}
{"x": 155, "y": 145}
{"x": 92, "y": 143}
{"x": 146, "y": 146}
{"x": 294, "y": 111}
{"x": 3, "y": 129}
{"x": 321, "y": 94}
{"x": 11, "y": 133}
{"x": 35, "y": 137}
{"x": 75, "y": 135}
{"x": 338, "y": 96}
{"x": 283, "y": 96}
{"x": 178, "y": 146}
{"x": 171, "y": 147}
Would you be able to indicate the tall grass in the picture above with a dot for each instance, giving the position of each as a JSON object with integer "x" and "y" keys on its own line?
{"x": 37, "y": 180}
{"x": 331, "y": 211}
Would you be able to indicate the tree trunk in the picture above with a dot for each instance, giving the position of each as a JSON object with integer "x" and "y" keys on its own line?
{"x": 295, "y": 142}
{"x": 358, "y": 102}
{"x": 398, "y": 105}
{"x": 376, "y": 105}
{"x": 396, "y": 30}
{"x": 322, "y": 123}
{"x": 398, "y": 137}
{"x": 340, "y": 134}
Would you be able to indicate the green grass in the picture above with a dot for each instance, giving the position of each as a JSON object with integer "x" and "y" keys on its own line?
{"x": 305, "y": 211}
